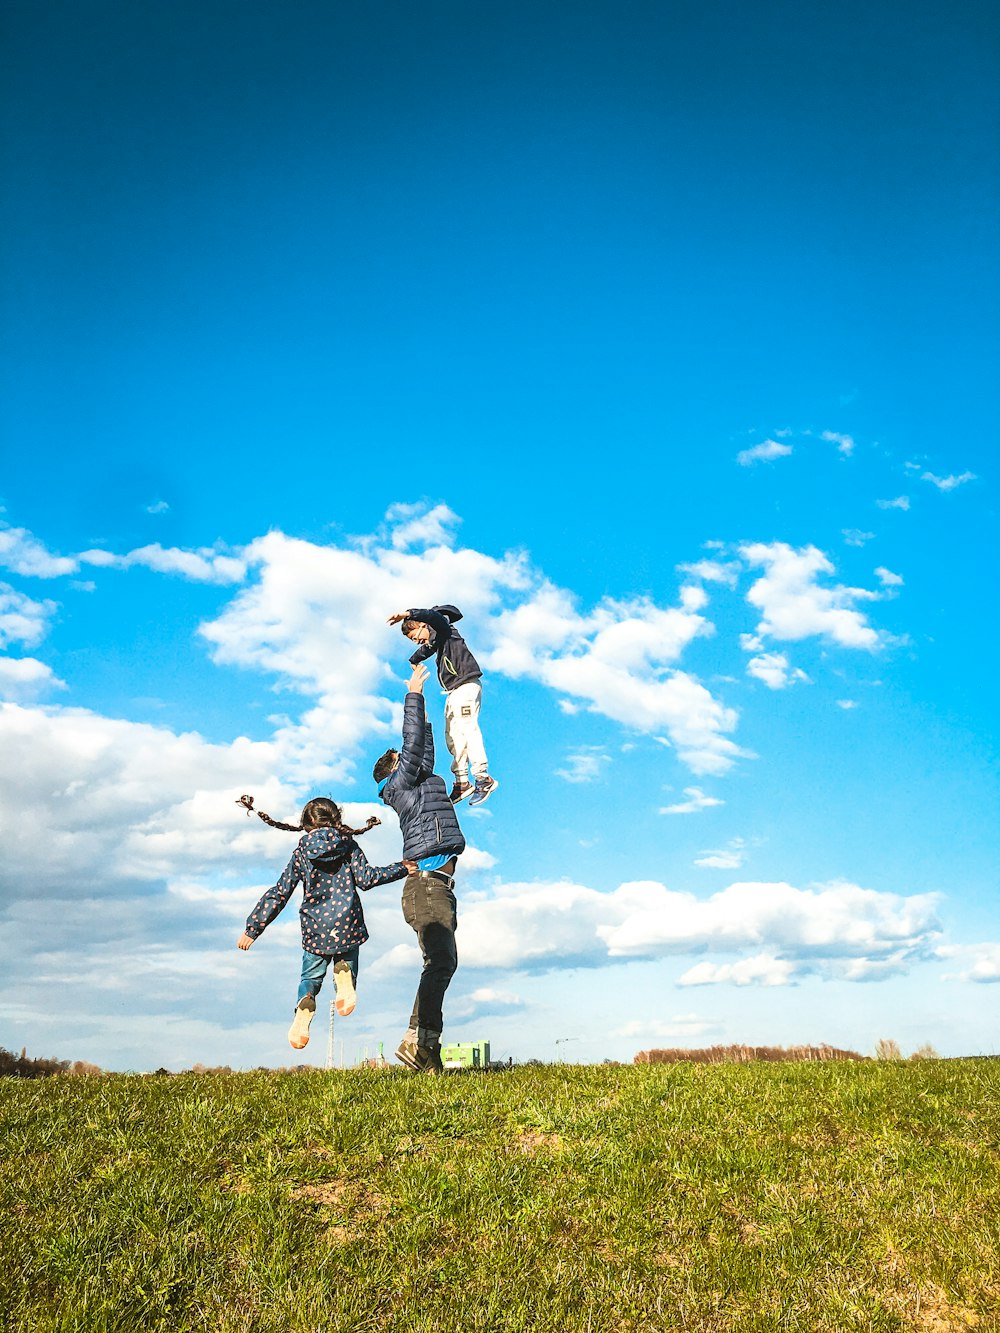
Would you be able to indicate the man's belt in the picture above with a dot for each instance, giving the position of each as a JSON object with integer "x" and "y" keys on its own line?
{"x": 447, "y": 880}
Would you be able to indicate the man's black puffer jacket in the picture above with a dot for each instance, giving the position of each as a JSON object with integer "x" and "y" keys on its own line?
{"x": 419, "y": 797}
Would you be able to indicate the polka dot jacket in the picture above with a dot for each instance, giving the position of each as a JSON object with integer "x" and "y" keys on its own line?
{"x": 331, "y": 869}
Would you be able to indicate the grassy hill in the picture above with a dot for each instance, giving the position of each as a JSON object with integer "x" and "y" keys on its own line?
{"x": 837, "y": 1196}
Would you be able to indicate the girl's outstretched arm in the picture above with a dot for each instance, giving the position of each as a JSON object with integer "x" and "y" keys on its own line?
{"x": 274, "y": 900}
{"x": 367, "y": 876}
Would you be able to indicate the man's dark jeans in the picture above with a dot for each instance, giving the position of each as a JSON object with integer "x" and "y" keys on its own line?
{"x": 429, "y": 907}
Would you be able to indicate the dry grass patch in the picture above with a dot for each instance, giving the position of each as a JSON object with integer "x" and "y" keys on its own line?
{"x": 932, "y": 1311}
{"x": 535, "y": 1141}
{"x": 328, "y": 1193}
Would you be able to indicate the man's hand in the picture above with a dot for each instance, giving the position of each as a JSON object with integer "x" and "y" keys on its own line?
{"x": 415, "y": 685}
{"x": 244, "y": 941}
{"x": 411, "y": 866}
{"x": 394, "y": 620}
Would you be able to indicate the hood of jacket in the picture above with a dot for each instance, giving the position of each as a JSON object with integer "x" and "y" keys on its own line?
{"x": 325, "y": 845}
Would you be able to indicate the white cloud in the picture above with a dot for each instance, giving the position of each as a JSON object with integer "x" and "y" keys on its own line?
{"x": 855, "y": 537}
{"x": 888, "y": 578}
{"x": 948, "y": 483}
{"x": 482, "y": 1001}
{"x": 694, "y": 719}
{"x": 900, "y": 502}
{"x": 158, "y": 507}
{"x": 847, "y": 704}
{"x": 25, "y": 678}
{"x": 760, "y": 970}
{"x": 21, "y": 552}
{"x": 763, "y": 453}
{"x": 488, "y": 995}
{"x": 23, "y": 620}
{"x": 697, "y": 800}
{"x": 620, "y": 659}
{"x": 977, "y": 962}
{"x": 876, "y": 969}
{"x": 832, "y": 921}
{"x": 844, "y": 443}
{"x": 415, "y": 525}
{"x": 400, "y": 960}
{"x": 124, "y": 802}
{"x": 795, "y": 606}
{"x": 826, "y": 929}
{"x": 680, "y": 1028}
{"x": 535, "y": 924}
{"x": 774, "y": 670}
{"x": 314, "y": 617}
{"x": 584, "y": 765}
{"x": 725, "y": 858}
{"x": 475, "y": 859}
{"x": 714, "y": 571}
{"x": 206, "y": 565}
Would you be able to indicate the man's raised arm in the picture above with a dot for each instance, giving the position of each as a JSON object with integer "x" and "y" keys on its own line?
{"x": 416, "y": 758}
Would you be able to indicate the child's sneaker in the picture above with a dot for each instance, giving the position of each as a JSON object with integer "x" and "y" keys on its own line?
{"x": 460, "y": 791}
{"x": 343, "y": 979}
{"x": 485, "y": 787}
{"x": 298, "y": 1033}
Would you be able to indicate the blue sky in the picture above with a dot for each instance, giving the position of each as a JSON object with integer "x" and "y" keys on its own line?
{"x": 663, "y": 341}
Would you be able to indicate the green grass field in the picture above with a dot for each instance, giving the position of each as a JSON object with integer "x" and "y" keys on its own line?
{"x": 834, "y": 1196}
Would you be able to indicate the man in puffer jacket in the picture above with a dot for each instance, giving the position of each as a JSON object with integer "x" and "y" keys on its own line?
{"x": 431, "y": 838}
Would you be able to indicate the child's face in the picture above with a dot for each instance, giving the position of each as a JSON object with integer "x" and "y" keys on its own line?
{"x": 419, "y": 633}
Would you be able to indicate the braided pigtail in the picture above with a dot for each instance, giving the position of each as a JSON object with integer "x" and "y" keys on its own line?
{"x": 247, "y": 803}
{"x": 357, "y": 832}
{"x": 320, "y": 812}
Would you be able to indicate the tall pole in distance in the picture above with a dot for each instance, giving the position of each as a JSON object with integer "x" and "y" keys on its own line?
{"x": 329, "y": 1039}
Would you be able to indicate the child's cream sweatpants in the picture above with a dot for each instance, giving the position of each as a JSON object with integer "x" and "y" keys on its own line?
{"x": 461, "y": 731}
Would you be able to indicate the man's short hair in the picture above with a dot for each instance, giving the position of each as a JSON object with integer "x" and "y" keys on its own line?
{"x": 385, "y": 765}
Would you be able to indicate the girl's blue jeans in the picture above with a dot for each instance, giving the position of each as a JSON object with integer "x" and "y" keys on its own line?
{"x": 314, "y": 966}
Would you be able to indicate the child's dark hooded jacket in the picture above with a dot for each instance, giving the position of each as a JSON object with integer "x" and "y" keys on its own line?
{"x": 427, "y": 818}
{"x": 331, "y": 868}
{"x": 455, "y": 663}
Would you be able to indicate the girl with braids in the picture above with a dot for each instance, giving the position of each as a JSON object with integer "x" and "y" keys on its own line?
{"x": 331, "y": 868}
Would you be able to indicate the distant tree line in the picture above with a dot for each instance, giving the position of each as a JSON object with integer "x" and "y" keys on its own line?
{"x": 21, "y": 1066}
{"x": 720, "y": 1055}
{"x": 885, "y": 1049}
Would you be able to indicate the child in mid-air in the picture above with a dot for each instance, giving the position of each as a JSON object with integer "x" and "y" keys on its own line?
{"x": 331, "y": 867}
{"x": 433, "y": 630}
